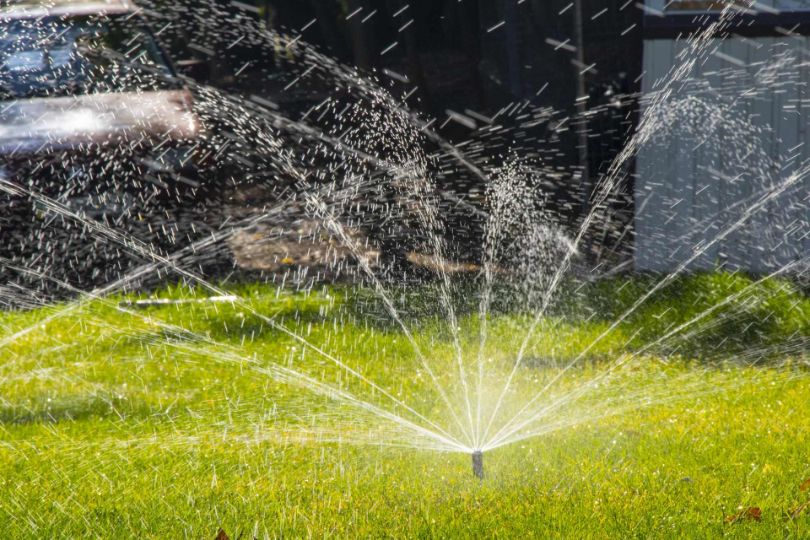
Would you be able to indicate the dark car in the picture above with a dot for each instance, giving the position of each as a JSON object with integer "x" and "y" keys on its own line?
{"x": 94, "y": 119}
{"x": 88, "y": 76}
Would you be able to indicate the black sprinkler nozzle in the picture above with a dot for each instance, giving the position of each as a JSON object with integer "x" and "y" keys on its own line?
{"x": 478, "y": 464}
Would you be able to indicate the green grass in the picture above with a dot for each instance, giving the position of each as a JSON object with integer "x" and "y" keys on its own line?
{"x": 165, "y": 422}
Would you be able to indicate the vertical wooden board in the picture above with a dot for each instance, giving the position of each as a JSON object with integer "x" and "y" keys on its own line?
{"x": 788, "y": 211}
{"x": 652, "y": 160}
{"x": 650, "y": 50}
{"x": 755, "y": 98}
{"x": 709, "y": 166}
{"x": 798, "y": 239}
{"x": 667, "y": 152}
{"x": 730, "y": 148}
{"x": 782, "y": 211}
{"x": 770, "y": 219}
{"x": 642, "y": 187}
{"x": 739, "y": 165}
{"x": 677, "y": 171}
{"x": 763, "y": 219}
{"x": 751, "y": 236}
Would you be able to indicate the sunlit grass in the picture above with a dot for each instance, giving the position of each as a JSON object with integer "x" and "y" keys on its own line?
{"x": 160, "y": 422}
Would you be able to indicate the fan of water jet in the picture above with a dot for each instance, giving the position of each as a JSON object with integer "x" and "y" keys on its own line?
{"x": 454, "y": 377}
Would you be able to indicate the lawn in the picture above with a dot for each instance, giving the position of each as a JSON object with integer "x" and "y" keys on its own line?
{"x": 174, "y": 421}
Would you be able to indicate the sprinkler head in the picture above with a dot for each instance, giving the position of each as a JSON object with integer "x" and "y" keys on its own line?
{"x": 478, "y": 464}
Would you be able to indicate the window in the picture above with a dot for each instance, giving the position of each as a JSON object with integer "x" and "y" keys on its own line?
{"x": 78, "y": 55}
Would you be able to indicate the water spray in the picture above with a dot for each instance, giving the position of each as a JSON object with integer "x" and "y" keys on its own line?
{"x": 478, "y": 464}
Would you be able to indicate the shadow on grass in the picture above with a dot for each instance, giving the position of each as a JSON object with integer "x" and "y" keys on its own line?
{"x": 707, "y": 316}
{"x": 73, "y": 409}
{"x": 703, "y": 316}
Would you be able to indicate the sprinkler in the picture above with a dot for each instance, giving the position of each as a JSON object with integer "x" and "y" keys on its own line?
{"x": 478, "y": 464}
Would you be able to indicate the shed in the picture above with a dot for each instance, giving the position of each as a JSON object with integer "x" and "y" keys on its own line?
{"x": 722, "y": 182}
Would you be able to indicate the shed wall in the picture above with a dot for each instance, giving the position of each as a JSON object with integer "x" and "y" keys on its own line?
{"x": 711, "y": 186}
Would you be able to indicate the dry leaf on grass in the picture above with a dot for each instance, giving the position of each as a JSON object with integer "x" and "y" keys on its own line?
{"x": 805, "y": 485}
{"x": 752, "y": 513}
{"x": 221, "y": 535}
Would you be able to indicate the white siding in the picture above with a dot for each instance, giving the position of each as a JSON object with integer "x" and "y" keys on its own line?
{"x": 698, "y": 177}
